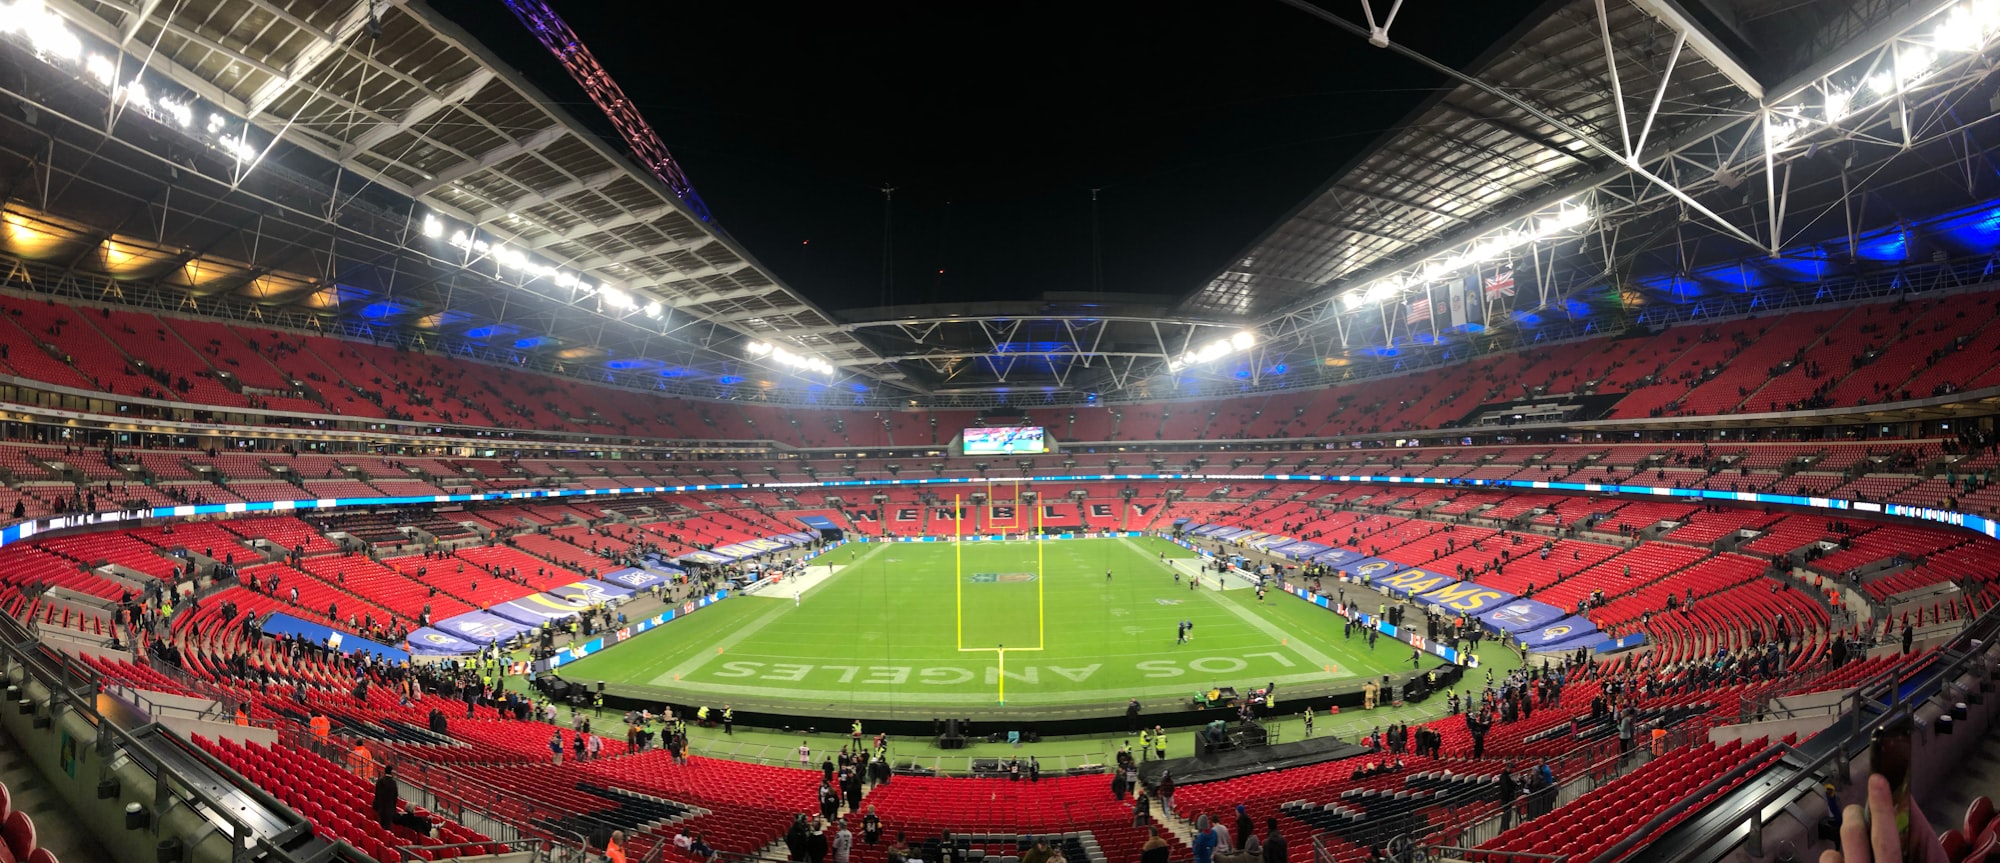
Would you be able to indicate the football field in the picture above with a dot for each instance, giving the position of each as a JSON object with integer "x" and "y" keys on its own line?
{"x": 909, "y": 624}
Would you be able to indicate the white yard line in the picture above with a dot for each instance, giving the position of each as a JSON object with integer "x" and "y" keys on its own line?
{"x": 752, "y": 628}
{"x": 1303, "y": 648}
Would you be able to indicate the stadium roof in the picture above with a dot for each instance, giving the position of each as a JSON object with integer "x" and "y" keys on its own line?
{"x": 392, "y": 105}
{"x": 367, "y": 168}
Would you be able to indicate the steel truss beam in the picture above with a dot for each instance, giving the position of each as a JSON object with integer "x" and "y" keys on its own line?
{"x": 1725, "y": 151}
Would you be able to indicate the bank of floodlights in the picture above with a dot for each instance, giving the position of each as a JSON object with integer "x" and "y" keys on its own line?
{"x": 1215, "y": 350}
{"x": 1492, "y": 247}
{"x": 766, "y": 350}
{"x": 1965, "y": 28}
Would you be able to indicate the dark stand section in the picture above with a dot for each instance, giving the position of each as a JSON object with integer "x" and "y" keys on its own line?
{"x": 1230, "y": 763}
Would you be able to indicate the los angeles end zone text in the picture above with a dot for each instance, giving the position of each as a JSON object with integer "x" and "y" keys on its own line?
{"x": 885, "y": 629}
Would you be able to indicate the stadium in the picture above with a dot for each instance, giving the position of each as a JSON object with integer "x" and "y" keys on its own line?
{"x": 1555, "y": 432}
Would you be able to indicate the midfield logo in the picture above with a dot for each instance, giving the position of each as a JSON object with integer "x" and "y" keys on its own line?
{"x": 1000, "y": 577}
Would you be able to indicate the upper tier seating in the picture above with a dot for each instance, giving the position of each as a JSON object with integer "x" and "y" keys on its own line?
{"x": 1866, "y": 354}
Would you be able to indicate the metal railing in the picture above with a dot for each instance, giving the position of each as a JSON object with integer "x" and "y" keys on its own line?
{"x": 1609, "y": 765}
{"x": 73, "y": 687}
{"x": 537, "y": 847}
{"x": 1877, "y": 701}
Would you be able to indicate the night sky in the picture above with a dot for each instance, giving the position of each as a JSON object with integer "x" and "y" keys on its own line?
{"x": 1202, "y": 123}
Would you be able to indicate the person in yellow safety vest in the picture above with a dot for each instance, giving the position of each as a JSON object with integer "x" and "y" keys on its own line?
{"x": 1145, "y": 744}
{"x": 597, "y": 702}
{"x": 701, "y": 715}
{"x": 857, "y": 734}
{"x": 728, "y": 719}
{"x": 1160, "y": 743}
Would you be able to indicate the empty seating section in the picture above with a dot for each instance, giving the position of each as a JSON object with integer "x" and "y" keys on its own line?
{"x": 1777, "y": 341}
{"x": 233, "y": 466}
{"x": 1788, "y": 535}
{"x": 226, "y": 350}
{"x": 1918, "y": 332}
{"x": 319, "y": 597}
{"x": 1974, "y": 562}
{"x": 336, "y": 801}
{"x": 377, "y": 581}
{"x": 287, "y": 532}
{"x": 1916, "y": 350}
{"x": 24, "y": 566}
{"x": 207, "y": 538}
{"x": 159, "y": 345}
{"x": 460, "y": 580}
{"x": 564, "y": 554}
{"x": 1707, "y": 349}
{"x": 1698, "y": 578}
{"x": 165, "y": 464}
{"x": 93, "y": 550}
{"x": 1707, "y": 526}
{"x": 269, "y": 490}
{"x": 333, "y": 489}
{"x": 1594, "y": 822}
{"x": 925, "y": 807}
{"x": 82, "y": 358}
{"x": 1900, "y": 542}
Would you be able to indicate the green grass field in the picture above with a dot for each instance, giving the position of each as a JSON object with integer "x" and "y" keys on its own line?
{"x": 898, "y": 624}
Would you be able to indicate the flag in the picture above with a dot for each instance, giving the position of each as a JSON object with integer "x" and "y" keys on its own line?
{"x": 1454, "y": 300}
{"x": 1501, "y": 284}
{"x": 1420, "y": 310}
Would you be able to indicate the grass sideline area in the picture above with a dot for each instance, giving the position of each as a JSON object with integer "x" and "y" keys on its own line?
{"x": 922, "y": 623}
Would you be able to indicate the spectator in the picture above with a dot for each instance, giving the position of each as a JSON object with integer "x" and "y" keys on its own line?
{"x": 871, "y": 827}
{"x": 795, "y": 839}
{"x": 1156, "y": 849}
{"x": 1274, "y": 843}
{"x": 843, "y": 844}
{"x": 385, "y": 798}
{"x": 1038, "y": 852}
{"x": 1204, "y": 840}
{"x": 816, "y": 845}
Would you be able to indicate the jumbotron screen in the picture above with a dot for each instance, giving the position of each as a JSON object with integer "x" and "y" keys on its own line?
{"x": 1012, "y": 440}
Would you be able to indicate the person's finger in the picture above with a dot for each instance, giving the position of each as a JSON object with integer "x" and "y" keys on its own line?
{"x": 1888, "y": 845}
{"x": 1854, "y": 835}
{"x": 1829, "y": 856}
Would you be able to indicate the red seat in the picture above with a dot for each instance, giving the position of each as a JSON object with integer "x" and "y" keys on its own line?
{"x": 19, "y": 832}
{"x": 41, "y": 855}
{"x": 1953, "y": 843}
{"x": 1984, "y": 850}
{"x": 1977, "y": 814}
